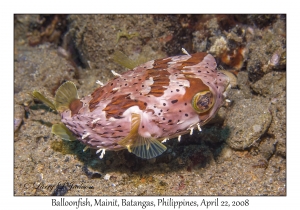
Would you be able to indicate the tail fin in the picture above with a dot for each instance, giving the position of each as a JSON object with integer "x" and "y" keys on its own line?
{"x": 42, "y": 98}
{"x": 65, "y": 94}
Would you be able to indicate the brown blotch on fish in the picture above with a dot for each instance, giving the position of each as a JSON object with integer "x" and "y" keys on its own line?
{"x": 160, "y": 81}
{"x": 161, "y": 64}
{"x": 97, "y": 95}
{"x": 195, "y": 59}
{"x": 75, "y": 106}
{"x": 121, "y": 103}
{"x": 196, "y": 85}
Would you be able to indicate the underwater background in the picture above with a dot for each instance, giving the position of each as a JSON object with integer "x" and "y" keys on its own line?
{"x": 241, "y": 152}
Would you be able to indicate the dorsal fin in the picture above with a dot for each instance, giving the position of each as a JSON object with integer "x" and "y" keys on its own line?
{"x": 64, "y": 96}
{"x": 141, "y": 146}
{"x": 124, "y": 60}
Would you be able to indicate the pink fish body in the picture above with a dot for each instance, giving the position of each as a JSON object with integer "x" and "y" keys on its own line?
{"x": 155, "y": 101}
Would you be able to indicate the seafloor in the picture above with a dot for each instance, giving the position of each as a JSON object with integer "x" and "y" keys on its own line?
{"x": 241, "y": 152}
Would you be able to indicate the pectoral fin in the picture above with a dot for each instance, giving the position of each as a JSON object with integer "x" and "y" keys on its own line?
{"x": 65, "y": 95}
{"x": 141, "y": 146}
{"x": 63, "y": 132}
{"x": 147, "y": 147}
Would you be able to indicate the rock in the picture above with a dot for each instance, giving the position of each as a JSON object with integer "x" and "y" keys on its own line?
{"x": 247, "y": 121}
{"x": 261, "y": 49}
{"x": 243, "y": 91}
{"x": 243, "y": 84}
{"x": 19, "y": 114}
{"x": 261, "y": 20}
{"x": 60, "y": 190}
{"x": 22, "y": 25}
{"x": 277, "y": 128}
{"x": 107, "y": 176}
{"x": 96, "y": 37}
{"x": 40, "y": 66}
{"x": 267, "y": 148}
{"x": 271, "y": 85}
{"x": 224, "y": 153}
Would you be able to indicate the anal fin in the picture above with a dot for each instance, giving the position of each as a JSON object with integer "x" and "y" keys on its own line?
{"x": 63, "y": 132}
{"x": 143, "y": 147}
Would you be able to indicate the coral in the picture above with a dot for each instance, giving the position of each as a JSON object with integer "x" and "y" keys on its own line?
{"x": 219, "y": 46}
{"x": 124, "y": 33}
{"x": 252, "y": 42}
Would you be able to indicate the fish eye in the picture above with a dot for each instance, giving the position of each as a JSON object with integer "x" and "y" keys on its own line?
{"x": 203, "y": 101}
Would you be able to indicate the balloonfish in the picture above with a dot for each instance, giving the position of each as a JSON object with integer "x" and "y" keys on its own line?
{"x": 142, "y": 108}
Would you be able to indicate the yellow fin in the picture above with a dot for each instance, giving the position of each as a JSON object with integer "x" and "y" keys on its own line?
{"x": 65, "y": 94}
{"x": 140, "y": 146}
{"x": 43, "y": 99}
{"x": 124, "y": 60}
{"x": 63, "y": 132}
{"x": 147, "y": 147}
